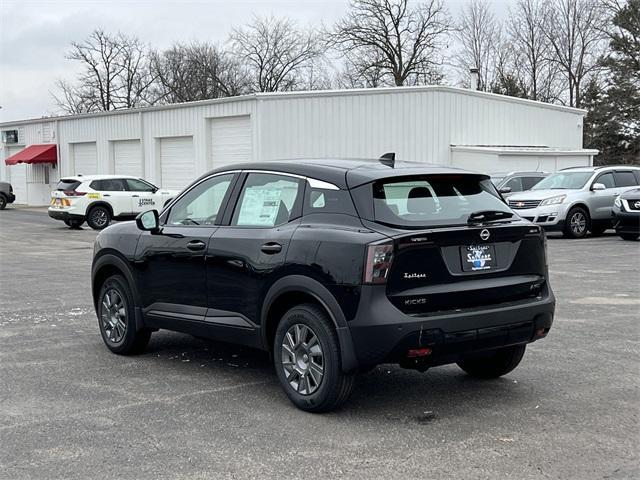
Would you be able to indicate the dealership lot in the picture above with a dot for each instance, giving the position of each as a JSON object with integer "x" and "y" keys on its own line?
{"x": 194, "y": 409}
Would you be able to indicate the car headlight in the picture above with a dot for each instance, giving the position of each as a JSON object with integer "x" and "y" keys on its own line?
{"x": 553, "y": 200}
{"x": 618, "y": 202}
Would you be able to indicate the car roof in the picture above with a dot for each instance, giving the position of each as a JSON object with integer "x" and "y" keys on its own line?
{"x": 87, "y": 178}
{"x": 345, "y": 172}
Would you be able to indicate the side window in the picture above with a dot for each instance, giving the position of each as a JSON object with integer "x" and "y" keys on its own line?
{"x": 202, "y": 204}
{"x": 108, "y": 185}
{"x": 606, "y": 179}
{"x": 135, "y": 185}
{"x": 625, "y": 179}
{"x": 515, "y": 184}
{"x": 328, "y": 201}
{"x": 529, "y": 182}
{"x": 266, "y": 200}
{"x": 637, "y": 174}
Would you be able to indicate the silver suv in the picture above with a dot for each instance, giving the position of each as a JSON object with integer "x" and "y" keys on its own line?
{"x": 576, "y": 200}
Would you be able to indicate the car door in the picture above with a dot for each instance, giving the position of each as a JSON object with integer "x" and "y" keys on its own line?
{"x": 252, "y": 246}
{"x": 114, "y": 192}
{"x": 143, "y": 196}
{"x": 170, "y": 264}
{"x": 601, "y": 201}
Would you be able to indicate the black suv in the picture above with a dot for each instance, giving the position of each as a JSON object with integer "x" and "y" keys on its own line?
{"x": 333, "y": 266}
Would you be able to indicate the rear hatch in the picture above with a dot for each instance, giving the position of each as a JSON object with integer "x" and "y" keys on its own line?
{"x": 65, "y": 193}
{"x": 456, "y": 245}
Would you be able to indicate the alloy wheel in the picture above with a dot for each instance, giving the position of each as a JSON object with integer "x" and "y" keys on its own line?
{"x": 99, "y": 217}
{"x": 113, "y": 316}
{"x": 578, "y": 223}
{"x": 302, "y": 359}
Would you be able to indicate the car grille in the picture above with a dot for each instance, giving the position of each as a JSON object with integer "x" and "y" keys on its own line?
{"x": 523, "y": 204}
{"x": 632, "y": 204}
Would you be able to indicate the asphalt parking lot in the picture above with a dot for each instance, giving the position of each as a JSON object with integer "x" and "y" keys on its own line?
{"x": 194, "y": 409}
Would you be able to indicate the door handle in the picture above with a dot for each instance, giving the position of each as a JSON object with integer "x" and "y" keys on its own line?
{"x": 195, "y": 245}
{"x": 271, "y": 248}
{"x": 106, "y": 195}
{"x": 135, "y": 196}
{"x": 616, "y": 194}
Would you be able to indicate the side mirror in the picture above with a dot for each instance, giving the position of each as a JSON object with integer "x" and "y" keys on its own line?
{"x": 505, "y": 190}
{"x": 148, "y": 221}
{"x": 598, "y": 186}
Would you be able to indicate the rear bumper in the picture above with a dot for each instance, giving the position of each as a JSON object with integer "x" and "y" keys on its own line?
{"x": 63, "y": 215}
{"x": 381, "y": 333}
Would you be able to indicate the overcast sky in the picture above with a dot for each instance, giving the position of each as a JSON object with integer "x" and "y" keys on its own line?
{"x": 34, "y": 35}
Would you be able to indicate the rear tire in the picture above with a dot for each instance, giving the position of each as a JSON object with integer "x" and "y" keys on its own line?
{"x": 73, "y": 223}
{"x": 577, "y": 223}
{"x": 99, "y": 217}
{"x": 116, "y": 318}
{"x": 306, "y": 356}
{"x": 3, "y": 202}
{"x": 493, "y": 363}
{"x": 629, "y": 236}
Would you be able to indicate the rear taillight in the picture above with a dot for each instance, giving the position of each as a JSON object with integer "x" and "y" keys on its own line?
{"x": 73, "y": 193}
{"x": 378, "y": 262}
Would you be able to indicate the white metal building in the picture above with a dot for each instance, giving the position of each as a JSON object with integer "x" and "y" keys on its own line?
{"x": 172, "y": 144}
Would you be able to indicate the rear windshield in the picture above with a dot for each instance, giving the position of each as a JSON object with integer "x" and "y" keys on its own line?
{"x": 422, "y": 201}
{"x": 67, "y": 185}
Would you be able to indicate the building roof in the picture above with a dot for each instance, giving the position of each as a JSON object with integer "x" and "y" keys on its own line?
{"x": 524, "y": 150}
{"x": 309, "y": 94}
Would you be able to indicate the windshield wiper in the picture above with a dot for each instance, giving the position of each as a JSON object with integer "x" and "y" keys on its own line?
{"x": 488, "y": 216}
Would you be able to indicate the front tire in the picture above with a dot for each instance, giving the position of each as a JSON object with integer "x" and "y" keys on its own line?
{"x": 577, "y": 223}
{"x": 99, "y": 217}
{"x": 116, "y": 318}
{"x": 307, "y": 360}
{"x": 629, "y": 236}
{"x": 493, "y": 363}
{"x": 3, "y": 202}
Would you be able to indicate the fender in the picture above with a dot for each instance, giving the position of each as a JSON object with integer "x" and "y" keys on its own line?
{"x": 99, "y": 203}
{"x": 114, "y": 259}
{"x": 300, "y": 283}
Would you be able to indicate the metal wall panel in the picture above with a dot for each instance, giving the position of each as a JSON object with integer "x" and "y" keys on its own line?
{"x": 127, "y": 158}
{"x": 231, "y": 140}
{"x": 177, "y": 162}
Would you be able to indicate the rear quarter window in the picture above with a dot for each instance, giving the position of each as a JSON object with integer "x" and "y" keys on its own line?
{"x": 328, "y": 201}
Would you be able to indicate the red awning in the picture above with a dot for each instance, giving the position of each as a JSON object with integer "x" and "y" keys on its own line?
{"x": 35, "y": 154}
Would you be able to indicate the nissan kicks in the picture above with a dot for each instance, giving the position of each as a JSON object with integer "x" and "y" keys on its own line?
{"x": 98, "y": 199}
{"x": 332, "y": 266}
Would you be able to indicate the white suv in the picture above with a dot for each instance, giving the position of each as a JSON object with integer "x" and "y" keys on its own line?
{"x": 576, "y": 200}
{"x": 100, "y": 198}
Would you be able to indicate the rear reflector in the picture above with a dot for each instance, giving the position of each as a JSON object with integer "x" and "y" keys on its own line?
{"x": 418, "y": 352}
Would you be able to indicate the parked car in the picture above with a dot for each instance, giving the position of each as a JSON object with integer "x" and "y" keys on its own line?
{"x": 6, "y": 195}
{"x": 98, "y": 199}
{"x": 576, "y": 200}
{"x": 333, "y": 266}
{"x": 514, "y": 182}
{"x": 626, "y": 214}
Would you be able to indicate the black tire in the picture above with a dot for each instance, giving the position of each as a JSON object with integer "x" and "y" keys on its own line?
{"x": 98, "y": 217}
{"x": 3, "y": 202}
{"x": 629, "y": 236}
{"x": 597, "y": 230}
{"x": 334, "y": 387}
{"x": 73, "y": 223}
{"x": 577, "y": 223}
{"x": 493, "y": 363}
{"x": 132, "y": 341}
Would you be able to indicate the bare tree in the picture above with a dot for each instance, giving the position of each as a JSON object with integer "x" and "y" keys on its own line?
{"x": 196, "y": 71}
{"x": 275, "y": 52}
{"x": 480, "y": 38}
{"x": 391, "y": 40}
{"x": 114, "y": 74}
{"x": 574, "y": 29}
{"x": 532, "y": 51}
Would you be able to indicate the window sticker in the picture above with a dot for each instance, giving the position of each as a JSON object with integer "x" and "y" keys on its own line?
{"x": 260, "y": 206}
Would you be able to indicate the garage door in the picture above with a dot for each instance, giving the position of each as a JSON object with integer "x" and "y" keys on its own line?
{"x": 177, "y": 163}
{"x": 85, "y": 158}
{"x": 18, "y": 175}
{"x": 127, "y": 158}
{"x": 230, "y": 140}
